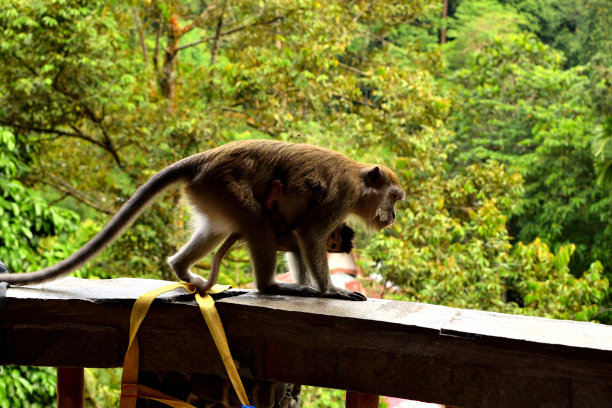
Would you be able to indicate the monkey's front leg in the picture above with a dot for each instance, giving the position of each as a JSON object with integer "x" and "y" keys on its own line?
{"x": 313, "y": 248}
{"x": 263, "y": 256}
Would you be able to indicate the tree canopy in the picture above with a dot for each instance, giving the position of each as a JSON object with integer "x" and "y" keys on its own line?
{"x": 501, "y": 136}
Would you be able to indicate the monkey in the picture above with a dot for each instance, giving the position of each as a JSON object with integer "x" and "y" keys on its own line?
{"x": 226, "y": 188}
{"x": 340, "y": 240}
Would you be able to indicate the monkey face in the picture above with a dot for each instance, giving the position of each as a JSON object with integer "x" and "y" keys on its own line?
{"x": 385, "y": 212}
{"x": 381, "y": 191}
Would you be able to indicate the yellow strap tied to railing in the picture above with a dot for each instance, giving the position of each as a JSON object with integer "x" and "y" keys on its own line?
{"x": 131, "y": 390}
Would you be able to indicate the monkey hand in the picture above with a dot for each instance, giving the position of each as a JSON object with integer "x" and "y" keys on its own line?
{"x": 339, "y": 293}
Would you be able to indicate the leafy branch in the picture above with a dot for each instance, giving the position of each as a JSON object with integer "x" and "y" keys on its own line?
{"x": 67, "y": 189}
{"x": 231, "y": 31}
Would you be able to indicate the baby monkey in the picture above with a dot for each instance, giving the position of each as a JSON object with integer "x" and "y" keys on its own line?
{"x": 340, "y": 240}
{"x": 228, "y": 187}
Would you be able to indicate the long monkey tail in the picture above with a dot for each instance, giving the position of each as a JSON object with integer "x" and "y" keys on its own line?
{"x": 181, "y": 171}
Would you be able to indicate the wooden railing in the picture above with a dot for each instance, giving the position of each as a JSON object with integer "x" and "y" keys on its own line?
{"x": 462, "y": 358}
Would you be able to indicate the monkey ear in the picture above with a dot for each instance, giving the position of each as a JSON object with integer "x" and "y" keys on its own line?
{"x": 371, "y": 176}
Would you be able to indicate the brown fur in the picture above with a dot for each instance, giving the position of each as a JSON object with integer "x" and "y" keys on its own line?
{"x": 227, "y": 188}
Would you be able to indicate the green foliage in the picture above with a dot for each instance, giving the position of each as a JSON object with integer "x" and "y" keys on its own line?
{"x": 449, "y": 240}
{"x": 27, "y": 387}
{"x": 579, "y": 28}
{"x": 602, "y": 151}
{"x": 545, "y": 286}
{"x": 103, "y": 386}
{"x": 519, "y": 106}
{"x": 495, "y": 150}
{"x": 321, "y": 398}
{"x": 79, "y": 104}
{"x": 455, "y": 250}
{"x": 477, "y": 23}
{"x": 32, "y": 233}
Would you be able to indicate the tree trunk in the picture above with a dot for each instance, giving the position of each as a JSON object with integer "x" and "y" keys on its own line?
{"x": 168, "y": 78}
{"x": 444, "y": 15}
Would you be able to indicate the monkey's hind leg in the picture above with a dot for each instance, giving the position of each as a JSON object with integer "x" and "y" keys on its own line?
{"x": 203, "y": 241}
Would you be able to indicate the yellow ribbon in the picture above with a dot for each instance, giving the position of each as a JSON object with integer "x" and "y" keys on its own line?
{"x": 131, "y": 390}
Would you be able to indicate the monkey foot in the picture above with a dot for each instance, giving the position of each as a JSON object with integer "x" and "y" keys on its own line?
{"x": 200, "y": 283}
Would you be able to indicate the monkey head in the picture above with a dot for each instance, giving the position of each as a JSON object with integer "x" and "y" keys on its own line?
{"x": 341, "y": 240}
{"x": 381, "y": 189}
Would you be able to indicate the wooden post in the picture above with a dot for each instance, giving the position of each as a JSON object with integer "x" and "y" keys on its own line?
{"x": 70, "y": 387}
{"x": 359, "y": 400}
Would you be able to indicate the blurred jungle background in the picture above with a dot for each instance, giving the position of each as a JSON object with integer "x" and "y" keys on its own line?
{"x": 496, "y": 114}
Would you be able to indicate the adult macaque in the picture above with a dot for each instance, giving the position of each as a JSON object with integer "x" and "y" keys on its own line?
{"x": 227, "y": 188}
